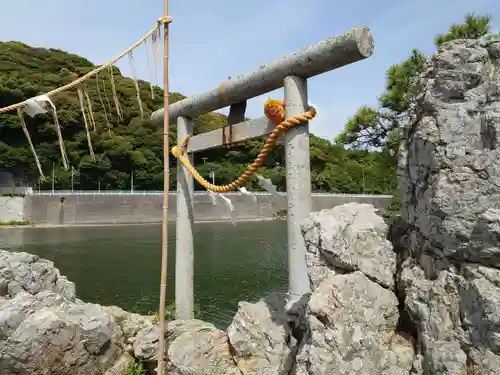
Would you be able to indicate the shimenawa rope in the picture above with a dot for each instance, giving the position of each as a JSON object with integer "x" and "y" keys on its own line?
{"x": 161, "y": 21}
{"x": 179, "y": 152}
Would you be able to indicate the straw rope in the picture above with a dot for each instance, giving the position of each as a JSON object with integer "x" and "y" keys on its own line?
{"x": 161, "y": 21}
{"x": 30, "y": 142}
{"x": 85, "y": 121}
{"x": 179, "y": 152}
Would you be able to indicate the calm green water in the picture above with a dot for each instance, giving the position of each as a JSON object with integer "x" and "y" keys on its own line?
{"x": 120, "y": 265}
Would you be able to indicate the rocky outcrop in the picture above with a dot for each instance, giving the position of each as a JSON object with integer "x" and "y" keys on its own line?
{"x": 450, "y": 166}
{"x": 194, "y": 347}
{"x": 256, "y": 342}
{"x": 351, "y": 322}
{"x": 23, "y": 272}
{"x": 44, "y": 329}
{"x": 346, "y": 239}
{"x": 449, "y": 238}
{"x": 259, "y": 336}
{"x": 354, "y": 313}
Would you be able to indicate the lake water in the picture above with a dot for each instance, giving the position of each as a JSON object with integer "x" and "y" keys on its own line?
{"x": 120, "y": 265}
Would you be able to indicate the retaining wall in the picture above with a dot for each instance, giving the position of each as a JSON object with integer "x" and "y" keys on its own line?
{"x": 75, "y": 209}
{"x": 11, "y": 209}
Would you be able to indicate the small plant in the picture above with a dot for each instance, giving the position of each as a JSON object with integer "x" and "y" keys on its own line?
{"x": 12, "y": 195}
{"x": 16, "y": 222}
{"x": 134, "y": 368}
{"x": 280, "y": 215}
{"x": 393, "y": 209}
{"x": 170, "y": 313}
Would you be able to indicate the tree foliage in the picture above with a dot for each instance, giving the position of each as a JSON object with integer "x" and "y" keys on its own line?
{"x": 474, "y": 27}
{"x": 133, "y": 146}
{"x": 381, "y": 127}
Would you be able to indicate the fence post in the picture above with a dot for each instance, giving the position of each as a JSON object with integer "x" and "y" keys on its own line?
{"x": 298, "y": 186}
{"x": 184, "y": 251}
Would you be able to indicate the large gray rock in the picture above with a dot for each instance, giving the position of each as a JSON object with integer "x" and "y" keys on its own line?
{"x": 44, "y": 329}
{"x": 26, "y": 272}
{"x": 352, "y": 322}
{"x": 256, "y": 342}
{"x": 258, "y": 335}
{"x": 353, "y": 313}
{"x": 47, "y": 334}
{"x": 146, "y": 342}
{"x": 449, "y": 172}
{"x": 347, "y": 238}
{"x": 449, "y": 167}
{"x": 193, "y": 347}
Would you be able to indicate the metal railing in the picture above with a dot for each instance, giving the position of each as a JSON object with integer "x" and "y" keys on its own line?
{"x": 290, "y": 72}
{"x": 59, "y": 193}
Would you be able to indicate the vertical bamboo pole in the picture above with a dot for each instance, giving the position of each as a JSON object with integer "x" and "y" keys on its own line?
{"x": 166, "y": 170}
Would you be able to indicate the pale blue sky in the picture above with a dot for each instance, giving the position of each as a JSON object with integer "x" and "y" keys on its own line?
{"x": 214, "y": 39}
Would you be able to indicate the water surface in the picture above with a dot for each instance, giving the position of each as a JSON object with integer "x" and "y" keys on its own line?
{"x": 120, "y": 265}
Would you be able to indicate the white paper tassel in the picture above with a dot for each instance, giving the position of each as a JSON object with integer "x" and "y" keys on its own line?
{"x": 230, "y": 207}
{"x": 37, "y": 105}
{"x": 266, "y": 184}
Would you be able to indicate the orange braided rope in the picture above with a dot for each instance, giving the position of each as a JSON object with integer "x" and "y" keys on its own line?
{"x": 274, "y": 110}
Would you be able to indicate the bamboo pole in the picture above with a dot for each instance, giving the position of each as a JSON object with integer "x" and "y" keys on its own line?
{"x": 166, "y": 170}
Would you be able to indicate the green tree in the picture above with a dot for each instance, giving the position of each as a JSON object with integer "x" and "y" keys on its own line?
{"x": 380, "y": 127}
{"x": 474, "y": 27}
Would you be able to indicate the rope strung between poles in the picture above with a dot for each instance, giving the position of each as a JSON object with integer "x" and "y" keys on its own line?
{"x": 282, "y": 126}
{"x": 160, "y": 22}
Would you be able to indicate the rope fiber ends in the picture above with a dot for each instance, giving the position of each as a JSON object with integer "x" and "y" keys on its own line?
{"x": 164, "y": 19}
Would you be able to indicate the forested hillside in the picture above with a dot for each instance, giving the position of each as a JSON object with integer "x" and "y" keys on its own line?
{"x": 131, "y": 145}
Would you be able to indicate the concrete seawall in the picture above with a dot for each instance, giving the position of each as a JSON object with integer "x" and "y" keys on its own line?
{"x": 11, "y": 209}
{"x": 107, "y": 208}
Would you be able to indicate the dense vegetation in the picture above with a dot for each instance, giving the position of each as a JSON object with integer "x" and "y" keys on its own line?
{"x": 132, "y": 145}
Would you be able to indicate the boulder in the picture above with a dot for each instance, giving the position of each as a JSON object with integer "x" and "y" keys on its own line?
{"x": 193, "y": 347}
{"x": 348, "y": 238}
{"x": 259, "y": 336}
{"x": 26, "y": 272}
{"x": 449, "y": 167}
{"x": 46, "y": 332}
{"x": 352, "y": 322}
{"x": 44, "y": 329}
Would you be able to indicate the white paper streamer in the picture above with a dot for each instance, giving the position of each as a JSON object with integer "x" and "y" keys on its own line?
{"x": 252, "y": 197}
{"x": 245, "y": 192}
{"x": 229, "y": 206}
{"x": 266, "y": 184}
{"x": 212, "y": 197}
{"x": 37, "y": 105}
{"x": 226, "y": 202}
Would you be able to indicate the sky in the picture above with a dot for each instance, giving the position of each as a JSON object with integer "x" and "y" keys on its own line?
{"x": 211, "y": 40}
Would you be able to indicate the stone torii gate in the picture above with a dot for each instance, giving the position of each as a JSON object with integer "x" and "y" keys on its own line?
{"x": 290, "y": 72}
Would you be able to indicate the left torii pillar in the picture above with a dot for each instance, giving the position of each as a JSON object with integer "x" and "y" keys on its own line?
{"x": 184, "y": 245}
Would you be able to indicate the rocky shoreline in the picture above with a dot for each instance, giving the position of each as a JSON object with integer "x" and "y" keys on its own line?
{"x": 40, "y": 315}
